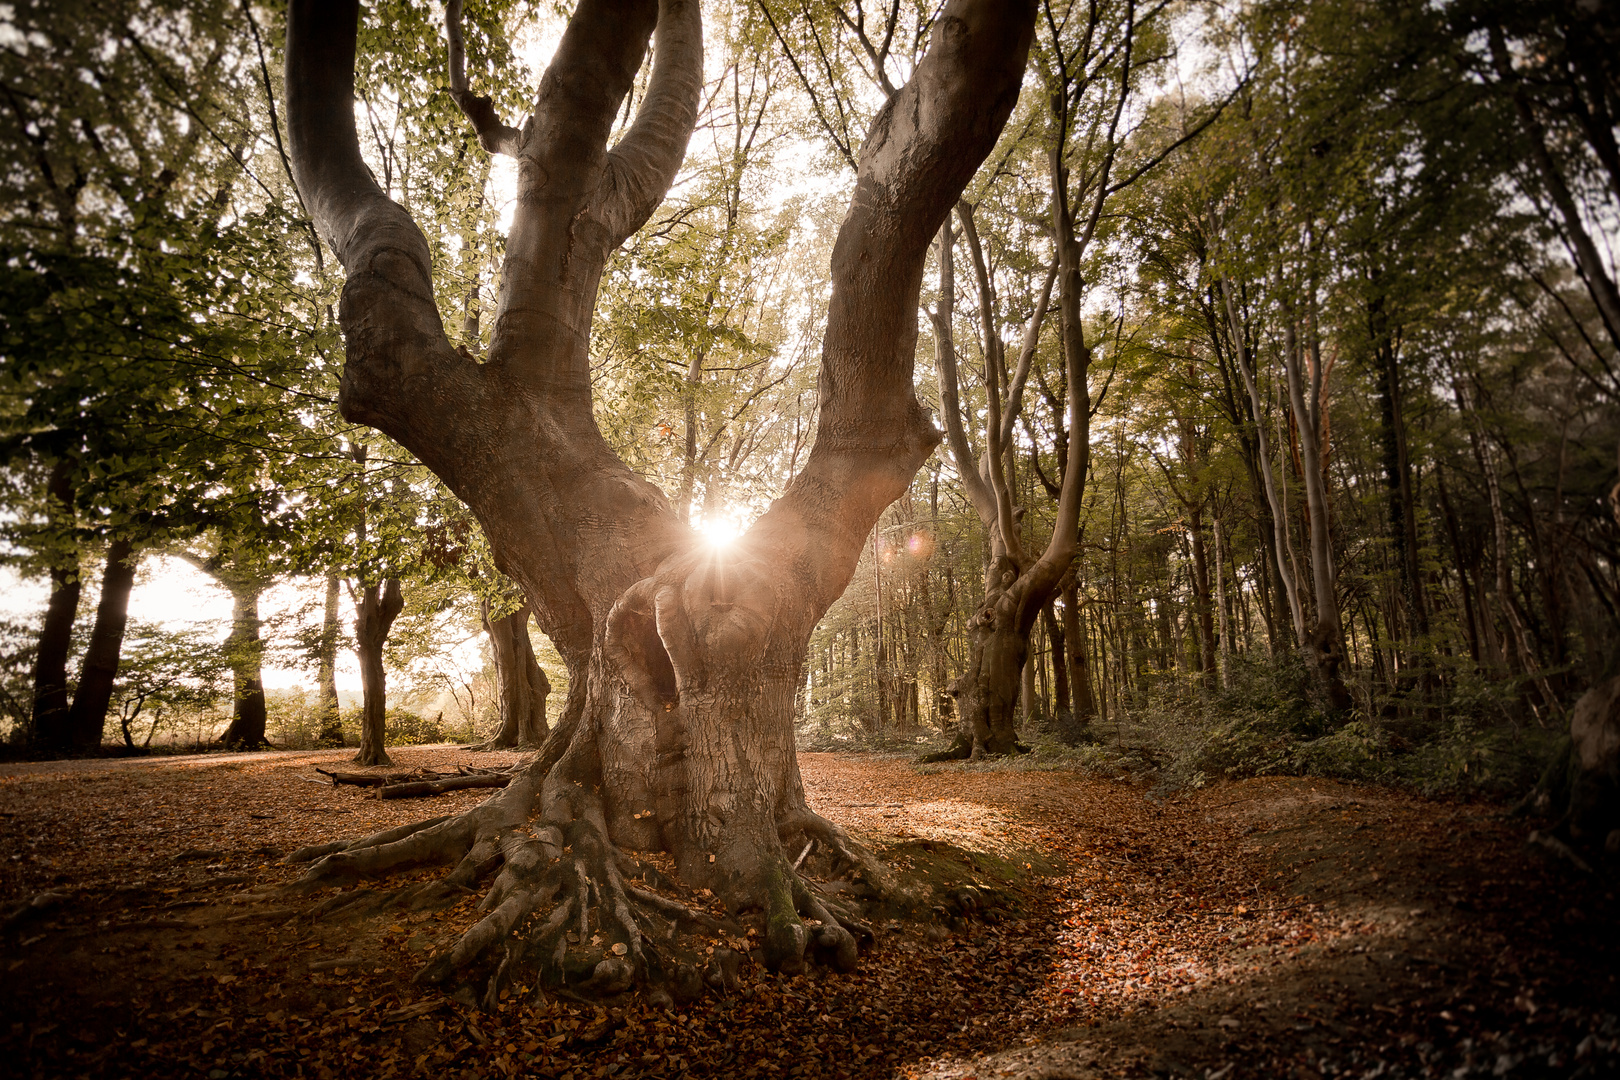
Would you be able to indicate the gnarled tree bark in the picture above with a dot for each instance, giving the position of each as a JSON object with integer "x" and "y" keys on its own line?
{"x": 683, "y": 660}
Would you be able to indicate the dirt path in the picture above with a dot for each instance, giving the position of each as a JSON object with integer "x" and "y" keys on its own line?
{"x": 1269, "y": 928}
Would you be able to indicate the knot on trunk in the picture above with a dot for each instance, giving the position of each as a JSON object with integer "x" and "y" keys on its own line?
{"x": 702, "y": 620}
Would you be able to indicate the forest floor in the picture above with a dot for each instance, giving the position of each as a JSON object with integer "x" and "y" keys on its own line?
{"x": 1277, "y": 927}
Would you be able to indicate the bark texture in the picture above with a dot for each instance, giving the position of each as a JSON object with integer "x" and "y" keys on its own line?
{"x": 684, "y": 661}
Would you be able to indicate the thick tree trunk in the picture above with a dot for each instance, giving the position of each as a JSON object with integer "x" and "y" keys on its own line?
{"x": 88, "y": 716}
{"x": 246, "y": 653}
{"x": 378, "y": 610}
{"x": 523, "y": 685}
{"x": 49, "y": 727}
{"x": 51, "y": 702}
{"x": 326, "y": 656}
{"x": 684, "y": 660}
{"x": 987, "y": 691}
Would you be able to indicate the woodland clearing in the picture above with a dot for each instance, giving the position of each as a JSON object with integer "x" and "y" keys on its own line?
{"x": 1269, "y": 927}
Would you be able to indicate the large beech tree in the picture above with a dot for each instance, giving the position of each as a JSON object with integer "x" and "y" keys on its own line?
{"x": 684, "y": 660}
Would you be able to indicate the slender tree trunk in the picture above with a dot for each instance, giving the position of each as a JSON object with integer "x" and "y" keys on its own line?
{"x": 1222, "y": 610}
{"x": 1063, "y": 710}
{"x": 1282, "y": 547}
{"x": 331, "y": 716}
{"x": 246, "y": 651}
{"x": 1027, "y": 694}
{"x": 1326, "y": 642}
{"x": 1202, "y": 600}
{"x": 88, "y": 716}
{"x": 378, "y": 610}
{"x": 1454, "y": 534}
{"x": 1398, "y": 474}
{"x": 49, "y": 725}
{"x": 523, "y": 685}
{"x": 1594, "y": 271}
{"x": 1077, "y": 663}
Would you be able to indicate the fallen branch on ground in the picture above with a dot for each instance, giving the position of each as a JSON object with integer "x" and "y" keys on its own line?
{"x": 421, "y": 788}
{"x": 360, "y": 779}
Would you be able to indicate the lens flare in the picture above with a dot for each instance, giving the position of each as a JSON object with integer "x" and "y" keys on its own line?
{"x": 719, "y": 531}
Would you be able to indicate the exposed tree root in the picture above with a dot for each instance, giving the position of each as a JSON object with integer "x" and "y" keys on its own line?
{"x": 564, "y": 908}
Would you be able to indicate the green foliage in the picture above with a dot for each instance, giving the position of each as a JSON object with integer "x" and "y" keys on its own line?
{"x": 412, "y": 729}
{"x": 1266, "y": 725}
{"x": 166, "y": 677}
{"x": 19, "y": 643}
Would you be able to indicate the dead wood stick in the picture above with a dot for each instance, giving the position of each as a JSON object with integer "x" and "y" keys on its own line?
{"x": 333, "y": 965}
{"x": 410, "y": 1012}
{"x": 420, "y": 788}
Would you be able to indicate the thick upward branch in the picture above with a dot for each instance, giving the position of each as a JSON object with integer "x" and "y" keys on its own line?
{"x": 402, "y": 376}
{"x": 643, "y": 164}
{"x": 923, "y": 148}
{"x": 1005, "y": 522}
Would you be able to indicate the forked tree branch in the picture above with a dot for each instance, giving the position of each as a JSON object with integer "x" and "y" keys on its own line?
{"x": 493, "y": 135}
{"x": 1006, "y": 519}
{"x": 950, "y": 405}
{"x": 1026, "y": 354}
{"x": 402, "y": 376}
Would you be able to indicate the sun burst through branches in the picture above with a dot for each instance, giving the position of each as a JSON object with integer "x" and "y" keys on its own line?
{"x": 720, "y": 530}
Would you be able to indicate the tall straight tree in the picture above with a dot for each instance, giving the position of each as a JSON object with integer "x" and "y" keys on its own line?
{"x": 684, "y": 661}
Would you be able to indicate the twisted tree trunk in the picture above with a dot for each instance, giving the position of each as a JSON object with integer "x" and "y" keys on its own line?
{"x": 683, "y": 660}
